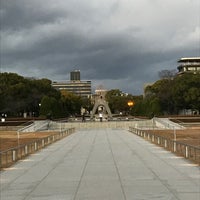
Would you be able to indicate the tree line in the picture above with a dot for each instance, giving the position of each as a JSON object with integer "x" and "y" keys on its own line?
{"x": 170, "y": 95}
{"x": 37, "y": 97}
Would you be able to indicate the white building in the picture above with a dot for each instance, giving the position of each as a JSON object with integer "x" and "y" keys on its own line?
{"x": 189, "y": 65}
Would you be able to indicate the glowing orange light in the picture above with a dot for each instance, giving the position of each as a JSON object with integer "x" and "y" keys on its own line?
{"x": 131, "y": 103}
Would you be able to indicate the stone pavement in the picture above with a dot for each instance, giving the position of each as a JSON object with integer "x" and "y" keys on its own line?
{"x": 101, "y": 164}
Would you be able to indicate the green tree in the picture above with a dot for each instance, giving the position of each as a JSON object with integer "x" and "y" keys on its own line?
{"x": 118, "y": 101}
{"x": 87, "y": 104}
{"x": 71, "y": 103}
{"x": 186, "y": 91}
{"x": 172, "y": 95}
{"x": 50, "y": 107}
{"x": 19, "y": 94}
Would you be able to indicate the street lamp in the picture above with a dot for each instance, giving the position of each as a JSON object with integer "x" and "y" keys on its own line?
{"x": 130, "y": 104}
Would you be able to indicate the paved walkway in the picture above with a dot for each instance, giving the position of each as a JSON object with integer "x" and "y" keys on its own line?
{"x": 102, "y": 164}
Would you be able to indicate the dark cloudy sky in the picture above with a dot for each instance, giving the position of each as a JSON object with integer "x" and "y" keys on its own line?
{"x": 115, "y": 43}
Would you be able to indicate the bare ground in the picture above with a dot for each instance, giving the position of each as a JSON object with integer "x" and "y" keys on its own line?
{"x": 9, "y": 139}
{"x": 188, "y": 136}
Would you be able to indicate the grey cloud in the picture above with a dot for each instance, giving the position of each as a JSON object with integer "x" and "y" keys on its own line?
{"x": 22, "y": 14}
{"x": 120, "y": 43}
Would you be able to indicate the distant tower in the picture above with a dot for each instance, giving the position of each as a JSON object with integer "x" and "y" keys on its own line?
{"x": 75, "y": 85}
{"x": 75, "y": 75}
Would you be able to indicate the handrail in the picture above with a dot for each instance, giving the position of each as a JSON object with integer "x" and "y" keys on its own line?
{"x": 12, "y": 155}
{"x": 29, "y": 124}
{"x": 36, "y": 125}
{"x": 168, "y": 124}
{"x": 186, "y": 150}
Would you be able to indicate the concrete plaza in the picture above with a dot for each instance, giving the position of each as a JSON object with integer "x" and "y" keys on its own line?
{"x": 101, "y": 164}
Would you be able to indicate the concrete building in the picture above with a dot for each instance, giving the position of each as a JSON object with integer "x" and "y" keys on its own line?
{"x": 75, "y": 75}
{"x": 75, "y": 85}
{"x": 189, "y": 65}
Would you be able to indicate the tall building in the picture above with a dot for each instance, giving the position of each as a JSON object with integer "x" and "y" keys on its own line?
{"x": 75, "y": 75}
{"x": 75, "y": 85}
{"x": 189, "y": 65}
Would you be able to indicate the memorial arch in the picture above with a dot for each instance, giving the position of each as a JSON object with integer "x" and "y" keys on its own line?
{"x": 100, "y": 104}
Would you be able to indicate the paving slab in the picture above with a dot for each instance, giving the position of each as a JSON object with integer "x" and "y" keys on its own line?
{"x": 101, "y": 164}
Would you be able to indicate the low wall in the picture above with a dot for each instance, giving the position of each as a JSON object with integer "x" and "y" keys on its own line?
{"x": 59, "y": 125}
{"x": 109, "y": 124}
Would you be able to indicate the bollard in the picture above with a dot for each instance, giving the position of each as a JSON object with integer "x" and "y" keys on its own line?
{"x": 158, "y": 140}
{"x": 165, "y": 143}
{"x": 174, "y": 146}
{"x": 26, "y": 149}
{"x": 14, "y": 155}
{"x": 35, "y": 146}
{"x": 186, "y": 151}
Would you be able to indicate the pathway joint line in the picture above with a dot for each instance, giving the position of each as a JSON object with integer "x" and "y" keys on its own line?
{"x": 122, "y": 188}
{"x": 92, "y": 146}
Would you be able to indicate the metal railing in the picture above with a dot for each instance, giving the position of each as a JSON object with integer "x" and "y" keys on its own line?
{"x": 10, "y": 156}
{"x": 35, "y": 126}
{"x": 182, "y": 149}
{"x": 167, "y": 124}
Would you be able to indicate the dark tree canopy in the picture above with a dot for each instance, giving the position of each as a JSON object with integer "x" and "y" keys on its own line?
{"x": 181, "y": 92}
{"x": 19, "y": 94}
{"x": 118, "y": 101}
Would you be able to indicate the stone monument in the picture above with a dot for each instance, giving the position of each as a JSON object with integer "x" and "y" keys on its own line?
{"x": 100, "y": 104}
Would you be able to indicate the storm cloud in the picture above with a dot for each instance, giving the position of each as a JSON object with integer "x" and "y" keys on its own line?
{"x": 115, "y": 43}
